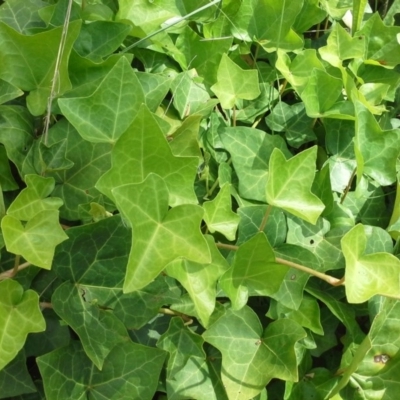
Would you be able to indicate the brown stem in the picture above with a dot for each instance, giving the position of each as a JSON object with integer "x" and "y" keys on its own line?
{"x": 45, "y": 304}
{"x": 265, "y": 219}
{"x": 347, "y": 189}
{"x": 13, "y": 271}
{"x": 168, "y": 311}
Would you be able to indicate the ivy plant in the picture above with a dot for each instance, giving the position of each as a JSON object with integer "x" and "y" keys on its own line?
{"x": 199, "y": 199}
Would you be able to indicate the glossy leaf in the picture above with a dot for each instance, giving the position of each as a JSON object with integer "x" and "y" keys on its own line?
{"x": 234, "y": 83}
{"x": 104, "y": 121}
{"x": 145, "y": 137}
{"x": 251, "y": 357}
{"x": 129, "y": 370}
{"x": 19, "y": 315}
{"x": 253, "y": 272}
{"x": 289, "y": 183}
{"x": 368, "y": 274}
{"x": 160, "y": 236}
{"x": 37, "y": 239}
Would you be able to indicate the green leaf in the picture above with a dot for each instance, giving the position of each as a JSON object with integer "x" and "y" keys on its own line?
{"x": 289, "y": 184}
{"x": 130, "y": 371}
{"x": 251, "y": 150}
{"x": 36, "y": 77}
{"x": 7, "y": 181}
{"x": 107, "y": 113}
{"x": 76, "y": 184}
{"x": 8, "y": 92}
{"x": 15, "y": 379}
{"x": 19, "y": 315}
{"x": 181, "y": 344}
{"x": 32, "y": 199}
{"x": 382, "y": 47}
{"x": 219, "y": 216}
{"x": 155, "y": 87}
{"x": 268, "y": 22}
{"x": 160, "y": 236}
{"x": 99, "y": 330}
{"x": 376, "y": 150}
{"x": 251, "y": 357}
{"x": 200, "y": 280}
{"x": 37, "y": 239}
{"x": 100, "y": 38}
{"x": 254, "y": 272}
{"x": 368, "y": 274}
{"x": 142, "y": 150}
{"x": 235, "y": 83}
{"x": 197, "y": 53}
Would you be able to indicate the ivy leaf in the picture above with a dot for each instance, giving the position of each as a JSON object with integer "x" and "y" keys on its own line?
{"x": 235, "y": 83}
{"x": 253, "y": 272}
{"x": 98, "y": 329}
{"x": 251, "y": 357}
{"x": 181, "y": 343}
{"x": 269, "y": 22}
{"x": 376, "y": 150}
{"x": 8, "y": 92}
{"x": 368, "y": 274}
{"x": 130, "y": 371}
{"x": 16, "y": 68}
{"x": 200, "y": 280}
{"x": 219, "y": 216}
{"x": 90, "y": 161}
{"x": 142, "y": 150}
{"x": 36, "y": 240}
{"x": 107, "y": 113}
{"x": 289, "y": 184}
{"x": 19, "y": 315}
{"x": 251, "y": 150}
{"x": 160, "y": 236}
{"x": 32, "y": 199}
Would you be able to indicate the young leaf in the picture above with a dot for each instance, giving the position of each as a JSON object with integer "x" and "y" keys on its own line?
{"x": 376, "y": 150}
{"x": 142, "y": 150}
{"x": 36, "y": 241}
{"x": 368, "y": 274}
{"x": 159, "y": 236}
{"x": 253, "y": 272}
{"x": 107, "y": 113}
{"x": 219, "y": 216}
{"x": 234, "y": 83}
{"x": 251, "y": 357}
{"x": 289, "y": 184}
{"x": 19, "y": 315}
{"x": 200, "y": 280}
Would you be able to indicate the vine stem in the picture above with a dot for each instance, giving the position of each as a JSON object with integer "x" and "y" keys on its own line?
{"x": 168, "y": 311}
{"x": 347, "y": 189}
{"x": 327, "y": 278}
{"x": 13, "y": 271}
{"x": 265, "y": 219}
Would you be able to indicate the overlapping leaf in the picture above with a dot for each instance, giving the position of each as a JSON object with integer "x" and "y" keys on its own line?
{"x": 106, "y": 114}
{"x": 19, "y": 315}
{"x": 159, "y": 236}
{"x": 142, "y": 150}
{"x": 251, "y": 357}
{"x": 368, "y": 274}
{"x": 289, "y": 184}
{"x": 130, "y": 370}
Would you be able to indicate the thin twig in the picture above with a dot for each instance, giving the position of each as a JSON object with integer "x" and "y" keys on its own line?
{"x": 348, "y": 187}
{"x": 265, "y": 219}
{"x": 168, "y": 311}
{"x": 13, "y": 271}
{"x": 327, "y": 278}
{"x": 56, "y": 76}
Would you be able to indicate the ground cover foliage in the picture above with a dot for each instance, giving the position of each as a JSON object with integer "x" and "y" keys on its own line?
{"x": 199, "y": 200}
